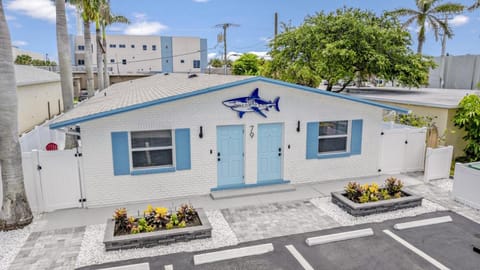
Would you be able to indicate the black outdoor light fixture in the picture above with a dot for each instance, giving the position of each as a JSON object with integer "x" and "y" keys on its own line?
{"x": 298, "y": 126}
{"x": 200, "y": 135}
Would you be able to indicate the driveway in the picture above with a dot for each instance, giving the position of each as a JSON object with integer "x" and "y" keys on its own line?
{"x": 449, "y": 244}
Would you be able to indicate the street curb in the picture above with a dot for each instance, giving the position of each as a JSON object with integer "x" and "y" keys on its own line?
{"x": 232, "y": 253}
{"x": 324, "y": 239}
{"x": 421, "y": 223}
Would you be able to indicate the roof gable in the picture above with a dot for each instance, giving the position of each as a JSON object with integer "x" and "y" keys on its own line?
{"x": 60, "y": 122}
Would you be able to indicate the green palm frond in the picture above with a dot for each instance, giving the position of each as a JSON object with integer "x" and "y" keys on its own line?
{"x": 475, "y": 5}
{"x": 448, "y": 8}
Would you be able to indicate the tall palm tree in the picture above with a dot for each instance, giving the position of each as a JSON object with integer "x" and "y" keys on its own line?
{"x": 89, "y": 14}
{"x": 107, "y": 18}
{"x": 475, "y": 5}
{"x": 429, "y": 12}
{"x": 15, "y": 212}
{"x": 64, "y": 59}
{"x": 99, "y": 46}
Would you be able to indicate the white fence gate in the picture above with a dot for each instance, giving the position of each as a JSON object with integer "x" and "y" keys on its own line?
{"x": 402, "y": 149}
{"x": 52, "y": 180}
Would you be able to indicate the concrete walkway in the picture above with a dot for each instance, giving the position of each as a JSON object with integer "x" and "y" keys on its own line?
{"x": 82, "y": 217}
{"x": 56, "y": 240}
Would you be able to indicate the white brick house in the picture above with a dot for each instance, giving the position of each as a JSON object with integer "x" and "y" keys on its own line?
{"x": 175, "y": 135}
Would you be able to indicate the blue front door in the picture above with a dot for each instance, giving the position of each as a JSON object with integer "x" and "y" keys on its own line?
{"x": 269, "y": 152}
{"x": 230, "y": 153}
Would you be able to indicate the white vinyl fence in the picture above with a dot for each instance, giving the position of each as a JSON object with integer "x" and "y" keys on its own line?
{"x": 438, "y": 162}
{"x": 52, "y": 180}
{"x": 40, "y": 136}
{"x": 402, "y": 149}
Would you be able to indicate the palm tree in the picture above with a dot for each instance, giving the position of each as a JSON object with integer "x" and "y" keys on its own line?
{"x": 427, "y": 13}
{"x": 64, "y": 56}
{"x": 99, "y": 46}
{"x": 475, "y": 5}
{"x": 107, "y": 18}
{"x": 89, "y": 13}
{"x": 15, "y": 212}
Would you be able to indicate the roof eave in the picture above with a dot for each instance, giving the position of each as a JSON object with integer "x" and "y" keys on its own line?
{"x": 217, "y": 88}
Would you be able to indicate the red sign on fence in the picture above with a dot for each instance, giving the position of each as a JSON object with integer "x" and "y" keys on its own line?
{"x": 51, "y": 147}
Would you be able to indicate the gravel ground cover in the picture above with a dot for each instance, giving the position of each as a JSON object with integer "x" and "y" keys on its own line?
{"x": 12, "y": 241}
{"x": 93, "y": 250}
{"x": 345, "y": 219}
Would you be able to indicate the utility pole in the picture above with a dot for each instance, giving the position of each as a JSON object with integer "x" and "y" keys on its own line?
{"x": 443, "y": 69}
{"x": 225, "y": 26}
{"x": 275, "y": 31}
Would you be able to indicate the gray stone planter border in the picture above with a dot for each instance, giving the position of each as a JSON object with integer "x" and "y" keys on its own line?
{"x": 156, "y": 238}
{"x": 364, "y": 209}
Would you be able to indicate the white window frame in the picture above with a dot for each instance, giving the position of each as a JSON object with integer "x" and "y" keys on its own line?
{"x": 131, "y": 149}
{"x": 348, "y": 136}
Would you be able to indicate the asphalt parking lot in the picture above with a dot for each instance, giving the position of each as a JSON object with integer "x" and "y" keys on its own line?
{"x": 448, "y": 244}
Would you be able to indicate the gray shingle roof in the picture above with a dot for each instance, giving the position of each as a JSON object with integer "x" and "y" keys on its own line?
{"x": 28, "y": 75}
{"x": 144, "y": 90}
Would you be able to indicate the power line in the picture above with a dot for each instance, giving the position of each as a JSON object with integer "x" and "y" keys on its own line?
{"x": 225, "y": 26}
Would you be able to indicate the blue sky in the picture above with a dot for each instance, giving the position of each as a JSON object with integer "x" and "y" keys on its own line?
{"x": 32, "y": 22}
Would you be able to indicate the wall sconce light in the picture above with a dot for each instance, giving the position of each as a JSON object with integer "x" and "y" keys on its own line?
{"x": 200, "y": 135}
{"x": 298, "y": 126}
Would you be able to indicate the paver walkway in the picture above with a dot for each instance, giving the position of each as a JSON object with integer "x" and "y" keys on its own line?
{"x": 276, "y": 219}
{"x": 52, "y": 250}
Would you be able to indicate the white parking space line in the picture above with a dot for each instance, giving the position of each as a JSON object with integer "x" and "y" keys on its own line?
{"x": 422, "y": 222}
{"x": 416, "y": 250}
{"x": 169, "y": 267}
{"x": 139, "y": 266}
{"x": 324, "y": 239}
{"x": 232, "y": 253}
{"x": 299, "y": 257}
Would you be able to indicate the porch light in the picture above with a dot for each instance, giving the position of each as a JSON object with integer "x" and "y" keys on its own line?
{"x": 200, "y": 135}
{"x": 298, "y": 126}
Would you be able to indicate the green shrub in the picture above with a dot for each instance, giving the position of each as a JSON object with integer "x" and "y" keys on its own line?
{"x": 468, "y": 119}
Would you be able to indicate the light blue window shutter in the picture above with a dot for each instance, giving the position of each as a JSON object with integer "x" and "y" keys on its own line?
{"x": 356, "y": 143}
{"x": 312, "y": 140}
{"x": 121, "y": 153}
{"x": 182, "y": 149}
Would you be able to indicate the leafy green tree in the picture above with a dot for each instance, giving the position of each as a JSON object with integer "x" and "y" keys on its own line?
{"x": 344, "y": 45}
{"x": 247, "y": 64}
{"x": 431, "y": 13}
{"x": 468, "y": 118}
{"x": 216, "y": 63}
{"x": 23, "y": 59}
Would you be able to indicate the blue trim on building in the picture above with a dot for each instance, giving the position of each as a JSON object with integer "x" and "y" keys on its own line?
{"x": 218, "y": 88}
{"x": 203, "y": 54}
{"x": 167, "y": 54}
{"x": 152, "y": 171}
{"x": 263, "y": 183}
{"x": 120, "y": 153}
{"x": 182, "y": 149}
{"x": 356, "y": 137}
{"x": 337, "y": 155}
{"x": 312, "y": 140}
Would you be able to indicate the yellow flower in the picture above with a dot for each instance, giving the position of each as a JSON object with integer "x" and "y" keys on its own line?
{"x": 365, "y": 187}
{"x": 162, "y": 211}
{"x": 148, "y": 210}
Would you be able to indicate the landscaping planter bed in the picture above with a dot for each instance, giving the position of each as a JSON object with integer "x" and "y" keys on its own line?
{"x": 163, "y": 237}
{"x": 363, "y": 209}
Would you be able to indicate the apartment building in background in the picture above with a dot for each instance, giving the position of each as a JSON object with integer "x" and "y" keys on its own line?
{"x": 127, "y": 54}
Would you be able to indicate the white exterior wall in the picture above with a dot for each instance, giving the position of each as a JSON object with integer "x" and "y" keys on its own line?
{"x": 183, "y": 45}
{"x": 103, "y": 188}
{"x": 33, "y": 104}
{"x": 140, "y": 61}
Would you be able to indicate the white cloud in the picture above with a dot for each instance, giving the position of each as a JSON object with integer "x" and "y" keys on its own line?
{"x": 38, "y": 9}
{"x": 10, "y": 18}
{"x": 19, "y": 43}
{"x": 263, "y": 55}
{"x": 212, "y": 55}
{"x": 201, "y": 1}
{"x": 144, "y": 28}
{"x": 459, "y": 20}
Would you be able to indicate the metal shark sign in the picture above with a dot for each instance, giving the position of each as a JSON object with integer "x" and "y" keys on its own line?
{"x": 252, "y": 103}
